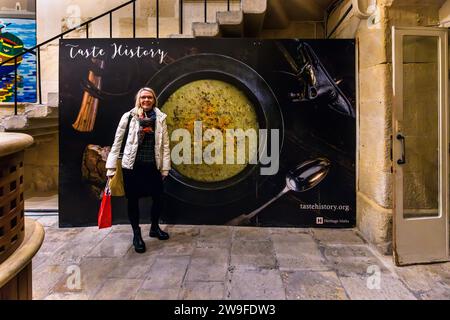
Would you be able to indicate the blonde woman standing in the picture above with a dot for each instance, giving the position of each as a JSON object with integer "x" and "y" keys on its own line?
{"x": 145, "y": 161}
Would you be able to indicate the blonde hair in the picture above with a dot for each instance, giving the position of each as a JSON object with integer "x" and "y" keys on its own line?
{"x": 137, "y": 104}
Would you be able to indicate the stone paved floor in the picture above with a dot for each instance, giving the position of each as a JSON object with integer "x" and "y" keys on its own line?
{"x": 219, "y": 262}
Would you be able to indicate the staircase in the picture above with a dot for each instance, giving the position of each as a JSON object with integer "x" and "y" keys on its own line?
{"x": 256, "y": 16}
{"x": 246, "y": 22}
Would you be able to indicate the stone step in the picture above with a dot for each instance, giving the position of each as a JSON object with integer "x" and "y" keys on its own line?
{"x": 41, "y": 111}
{"x": 205, "y": 29}
{"x": 254, "y": 14}
{"x": 14, "y": 122}
{"x": 231, "y": 23}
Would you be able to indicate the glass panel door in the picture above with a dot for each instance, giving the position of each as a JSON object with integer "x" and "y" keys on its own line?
{"x": 420, "y": 145}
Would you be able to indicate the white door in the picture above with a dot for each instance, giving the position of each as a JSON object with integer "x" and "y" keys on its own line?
{"x": 420, "y": 145}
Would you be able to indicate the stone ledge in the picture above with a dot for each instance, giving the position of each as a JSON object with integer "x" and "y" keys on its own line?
{"x": 14, "y": 142}
{"x": 41, "y": 111}
{"x": 37, "y": 120}
{"x": 377, "y": 82}
{"x": 179, "y": 35}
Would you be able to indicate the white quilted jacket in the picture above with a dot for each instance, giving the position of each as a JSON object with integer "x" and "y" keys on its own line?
{"x": 162, "y": 149}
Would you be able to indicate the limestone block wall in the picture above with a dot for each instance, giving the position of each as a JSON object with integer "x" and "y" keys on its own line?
{"x": 374, "y": 188}
{"x": 374, "y": 175}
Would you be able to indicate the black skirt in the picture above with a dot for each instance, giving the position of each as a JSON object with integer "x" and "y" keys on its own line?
{"x": 142, "y": 181}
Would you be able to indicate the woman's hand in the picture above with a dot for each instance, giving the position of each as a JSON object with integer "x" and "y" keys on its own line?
{"x": 110, "y": 173}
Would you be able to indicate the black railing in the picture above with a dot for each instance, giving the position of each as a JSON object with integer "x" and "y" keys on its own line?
{"x": 15, "y": 85}
{"x": 134, "y": 19}
{"x": 36, "y": 50}
{"x": 157, "y": 18}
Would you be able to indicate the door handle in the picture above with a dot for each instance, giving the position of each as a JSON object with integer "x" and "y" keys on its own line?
{"x": 402, "y": 160}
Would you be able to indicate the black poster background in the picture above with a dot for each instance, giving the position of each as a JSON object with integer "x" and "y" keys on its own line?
{"x": 310, "y": 131}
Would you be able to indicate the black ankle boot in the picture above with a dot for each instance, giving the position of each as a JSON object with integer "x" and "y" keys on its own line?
{"x": 138, "y": 243}
{"x": 156, "y": 232}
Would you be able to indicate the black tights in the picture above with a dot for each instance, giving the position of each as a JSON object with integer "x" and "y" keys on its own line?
{"x": 133, "y": 211}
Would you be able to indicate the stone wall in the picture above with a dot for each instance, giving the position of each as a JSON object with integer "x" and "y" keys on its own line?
{"x": 296, "y": 29}
{"x": 374, "y": 182}
{"x": 41, "y": 163}
{"x": 41, "y": 160}
{"x": 11, "y": 4}
{"x": 444, "y": 14}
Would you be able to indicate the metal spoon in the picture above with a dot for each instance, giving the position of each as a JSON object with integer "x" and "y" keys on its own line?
{"x": 302, "y": 178}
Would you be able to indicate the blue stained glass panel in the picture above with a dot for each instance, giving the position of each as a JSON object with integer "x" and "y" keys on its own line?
{"x": 25, "y": 30}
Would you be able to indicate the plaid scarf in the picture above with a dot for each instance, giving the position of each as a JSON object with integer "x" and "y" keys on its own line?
{"x": 147, "y": 124}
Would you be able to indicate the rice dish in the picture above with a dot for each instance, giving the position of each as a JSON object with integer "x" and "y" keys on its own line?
{"x": 219, "y": 105}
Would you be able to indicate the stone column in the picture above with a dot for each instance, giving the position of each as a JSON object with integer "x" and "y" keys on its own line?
{"x": 20, "y": 238}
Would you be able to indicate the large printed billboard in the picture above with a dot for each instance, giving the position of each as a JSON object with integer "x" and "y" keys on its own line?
{"x": 262, "y": 132}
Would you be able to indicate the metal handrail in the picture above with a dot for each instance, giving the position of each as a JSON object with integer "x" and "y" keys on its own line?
{"x": 181, "y": 16}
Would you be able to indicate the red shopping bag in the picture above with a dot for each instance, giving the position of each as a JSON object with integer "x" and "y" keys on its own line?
{"x": 104, "y": 214}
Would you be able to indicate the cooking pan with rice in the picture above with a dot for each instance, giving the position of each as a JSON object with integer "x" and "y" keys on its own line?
{"x": 223, "y": 93}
